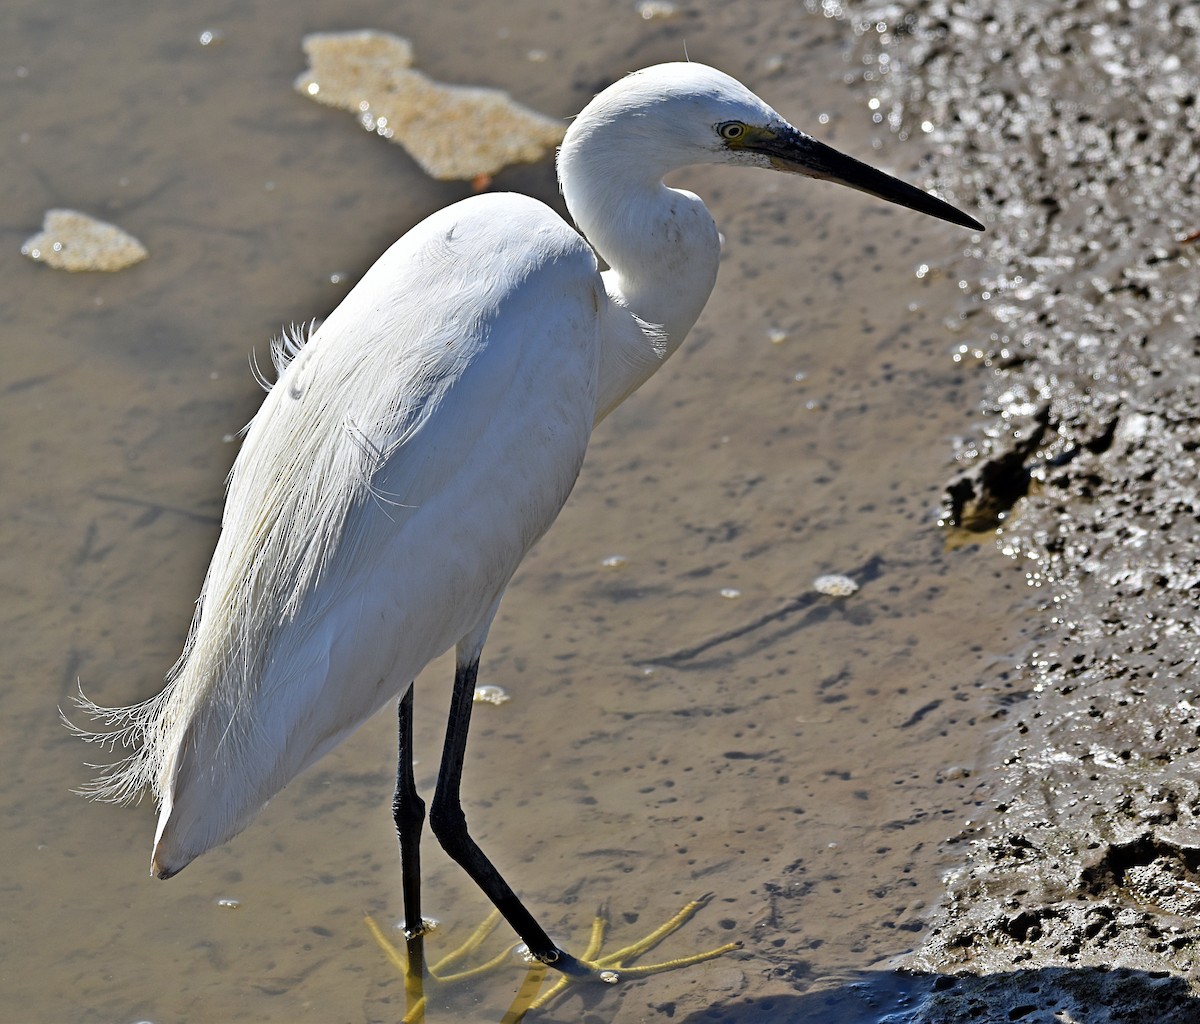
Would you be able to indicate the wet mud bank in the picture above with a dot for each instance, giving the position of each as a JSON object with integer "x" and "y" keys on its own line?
{"x": 1071, "y": 128}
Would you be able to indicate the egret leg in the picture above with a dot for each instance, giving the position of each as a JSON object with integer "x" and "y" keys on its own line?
{"x": 449, "y": 824}
{"x": 408, "y": 812}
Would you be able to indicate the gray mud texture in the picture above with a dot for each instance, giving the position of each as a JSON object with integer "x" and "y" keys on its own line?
{"x": 1072, "y": 129}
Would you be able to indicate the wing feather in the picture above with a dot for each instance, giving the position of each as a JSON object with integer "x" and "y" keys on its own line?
{"x": 409, "y": 454}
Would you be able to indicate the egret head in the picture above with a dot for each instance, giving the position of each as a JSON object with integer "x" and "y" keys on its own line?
{"x": 672, "y": 115}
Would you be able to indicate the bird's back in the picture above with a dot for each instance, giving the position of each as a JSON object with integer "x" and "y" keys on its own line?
{"x": 404, "y": 462}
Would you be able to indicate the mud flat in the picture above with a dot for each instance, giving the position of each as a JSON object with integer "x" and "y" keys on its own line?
{"x": 1071, "y": 128}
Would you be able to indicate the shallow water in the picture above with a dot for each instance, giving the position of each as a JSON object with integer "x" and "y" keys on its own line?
{"x": 803, "y": 757}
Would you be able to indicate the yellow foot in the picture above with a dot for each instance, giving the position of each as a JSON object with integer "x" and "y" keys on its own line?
{"x": 611, "y": 968}
{"x": 619, "y": 965}
{"x": 410, "y": 962}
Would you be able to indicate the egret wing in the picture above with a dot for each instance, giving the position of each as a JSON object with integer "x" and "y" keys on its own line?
{"x": 408, "y": 456}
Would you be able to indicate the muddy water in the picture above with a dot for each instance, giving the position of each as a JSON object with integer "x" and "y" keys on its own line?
{"x": 692, "y": 719}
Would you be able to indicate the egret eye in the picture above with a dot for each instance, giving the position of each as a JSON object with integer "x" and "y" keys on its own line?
{"x": 731, "y": 130}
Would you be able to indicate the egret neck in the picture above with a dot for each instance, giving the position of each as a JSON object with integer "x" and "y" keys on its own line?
{"x": 660, "y": 244}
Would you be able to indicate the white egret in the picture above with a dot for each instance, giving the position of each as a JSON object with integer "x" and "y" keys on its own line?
{"x": 419, "y": 443}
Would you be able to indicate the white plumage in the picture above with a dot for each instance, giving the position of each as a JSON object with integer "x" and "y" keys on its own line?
{"x": 406, "y": 459}
{"x": 427, "y": 434}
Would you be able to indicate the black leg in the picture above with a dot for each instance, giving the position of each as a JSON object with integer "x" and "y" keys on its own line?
{"x": 408, "y": 811}
{"x": 449, "y": 824}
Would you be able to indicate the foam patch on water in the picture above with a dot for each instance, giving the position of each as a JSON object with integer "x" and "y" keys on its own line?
{"x": 835, "y": 585}
{"x": 70, "y": 240}
{"x": 454, "y": 132}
